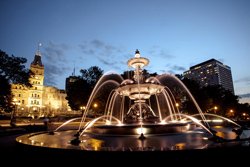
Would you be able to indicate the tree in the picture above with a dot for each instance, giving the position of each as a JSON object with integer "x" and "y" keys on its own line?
{"x": 210, "y": 96}
{"x": 91, "y": 75}
{"x": 194, "y": 88}
{"x": 218, "y": 96}
{"x": 5, "y": 95}
{"x": 12, "y": 70}
{"x": 79, "y": 93}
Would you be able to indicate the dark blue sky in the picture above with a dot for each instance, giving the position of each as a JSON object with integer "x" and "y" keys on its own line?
{"x": 174, "y": 34}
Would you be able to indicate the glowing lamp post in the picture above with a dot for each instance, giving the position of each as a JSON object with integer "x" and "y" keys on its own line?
{"x": 95, "y": 105}
{"x": 82, "y": 109}
{"x": 177, "y": 105}
{"x": 215, "y": 109}
{"x": 231, "y": 113}
{"x": 13, "y": 113}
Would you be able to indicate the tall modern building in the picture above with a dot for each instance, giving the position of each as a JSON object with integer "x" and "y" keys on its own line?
{"x": 211, "y": 72}
{"x": 38, "y": 100}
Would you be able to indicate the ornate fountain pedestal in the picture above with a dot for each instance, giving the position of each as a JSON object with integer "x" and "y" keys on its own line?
{"x": 140, "y": 114}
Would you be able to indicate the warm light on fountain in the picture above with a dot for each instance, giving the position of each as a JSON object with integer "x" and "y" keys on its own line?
{"x": 141, "y": 130}
{"x": 144, "y": 106}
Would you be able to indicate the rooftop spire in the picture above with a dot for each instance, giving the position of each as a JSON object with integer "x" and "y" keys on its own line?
{"x": 37, "y": 59}
{"x": 38, "y": 53}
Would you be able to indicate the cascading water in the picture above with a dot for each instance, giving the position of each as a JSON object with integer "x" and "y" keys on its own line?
{"x": 140, "y": 105}
{"x": 140, "y": 93}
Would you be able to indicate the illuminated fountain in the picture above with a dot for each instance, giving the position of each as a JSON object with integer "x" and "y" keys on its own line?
{"x": 141, "y": 113}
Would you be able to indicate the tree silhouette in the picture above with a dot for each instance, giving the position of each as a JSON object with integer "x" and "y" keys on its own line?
{"x": 210, "y": 96}
{"x": 12, "y": 70}
{"x": 79, "y": 92}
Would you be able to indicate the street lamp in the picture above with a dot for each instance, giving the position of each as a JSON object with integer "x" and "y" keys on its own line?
{"x": 215, "y": 109}
{"x": 13, "y": 113}
{"x": 177, "y": 105}
{"x": 95, "y": 105}
{"x": 244, "y": 115}
{"x": 82, "y": 109}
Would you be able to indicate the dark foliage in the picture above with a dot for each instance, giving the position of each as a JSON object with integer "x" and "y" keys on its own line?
{"x": 79, "y": 92}
{"x": 12, "y": 70}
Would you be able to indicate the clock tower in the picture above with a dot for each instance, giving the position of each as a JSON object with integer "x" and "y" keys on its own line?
{"x": 36, "y": 79}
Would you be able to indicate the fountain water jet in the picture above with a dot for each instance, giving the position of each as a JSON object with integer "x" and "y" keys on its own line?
{"x": 141, "y": 105}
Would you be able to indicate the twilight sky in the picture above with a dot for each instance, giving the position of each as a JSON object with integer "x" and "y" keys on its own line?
{"x": 173, "y": 34}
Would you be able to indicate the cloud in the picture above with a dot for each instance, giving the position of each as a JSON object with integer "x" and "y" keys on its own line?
{"x": 84, "y": 48}
{"x": 55, "y": 57}
{"x": 173, "y": 69}
{"x": 178, "y": 68}
{"x": 166, "y": 71}
{"x": 50, "y": 72}
{"x": 113, "y": 64}
{"x": 54, "y": 72}
{"x": 55, "y": 52}
{"x": 243, "y": 80}
{"x": 105, "y": 53}
{"x": 247, "y": 95}
{"x": 97, "y": 43}
{"x": 157, "y": 51}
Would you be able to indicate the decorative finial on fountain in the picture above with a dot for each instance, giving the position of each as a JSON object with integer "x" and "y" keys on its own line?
{"x": 142, "y": 137}
{"x": 137, "y": 53}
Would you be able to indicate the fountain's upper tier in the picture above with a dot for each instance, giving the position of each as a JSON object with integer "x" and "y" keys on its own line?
{"x": 145, "y": 89}
{"x": 138, "y": 61}
{"x": 143, "y": 92}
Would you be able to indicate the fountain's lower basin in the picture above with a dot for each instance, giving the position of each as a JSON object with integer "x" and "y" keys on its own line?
{"x": 158, "y": 137}
{"x": 172, "y": 141}
{"x": 147, "y": 129}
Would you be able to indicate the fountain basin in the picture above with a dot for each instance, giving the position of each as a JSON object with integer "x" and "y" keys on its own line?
{"x": 147, "y": 129}
{"x": 91, "y": 142}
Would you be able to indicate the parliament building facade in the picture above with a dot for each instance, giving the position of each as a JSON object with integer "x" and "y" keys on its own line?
{"x": 38, "y": 100}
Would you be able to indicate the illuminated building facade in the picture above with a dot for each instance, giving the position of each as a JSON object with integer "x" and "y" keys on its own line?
{"x": 211, "y": 72}
{"x": 39, "y": 100}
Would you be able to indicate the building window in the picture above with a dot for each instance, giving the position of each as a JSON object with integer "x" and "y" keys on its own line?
{"x": 22, "y": 101}
{"x": 31, "y": 101}
{"x": 19, "y": 95}
{"x": 35, "y": 88}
